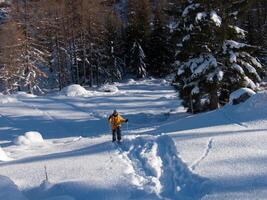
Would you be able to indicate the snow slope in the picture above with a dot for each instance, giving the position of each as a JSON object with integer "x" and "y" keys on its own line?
{"x": 165, "y": 154}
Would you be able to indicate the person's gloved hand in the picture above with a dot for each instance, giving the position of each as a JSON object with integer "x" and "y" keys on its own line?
{"x": 126, "y": 120}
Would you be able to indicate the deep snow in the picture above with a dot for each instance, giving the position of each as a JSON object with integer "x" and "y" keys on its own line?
{"x": 165, "y": 154}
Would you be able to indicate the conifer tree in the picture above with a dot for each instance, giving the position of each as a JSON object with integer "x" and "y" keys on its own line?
{"x": 207, "y": 55}
{"x": 137, "y": 62}
{"x": 160, "y": 52}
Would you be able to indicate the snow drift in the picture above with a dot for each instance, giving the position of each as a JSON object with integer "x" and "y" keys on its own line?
{"x": 4, "y": 99}
{"x": 3, "y": 155}
{"x": 254, "y": 109}
{"x": 29, "y": 138}
{"x": 238, "y": 93}
{"x": 9, "y": 190}
{"x": 109, "y": 88}
{"x": 74, "y": 90}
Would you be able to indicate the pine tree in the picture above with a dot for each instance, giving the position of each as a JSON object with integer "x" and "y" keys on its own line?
{"x": 160, "y": 52}
{"x": 139, "y": 17}
{"x": 137, "y": 63}
{"x": 210, "y": 63}
{"x": 199, "y": 75}
{"x": 138, "y": 25}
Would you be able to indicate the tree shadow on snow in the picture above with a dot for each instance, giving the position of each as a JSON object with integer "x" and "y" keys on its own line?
{"x": 87, "y": 191}
{"x": 93, "y": 149}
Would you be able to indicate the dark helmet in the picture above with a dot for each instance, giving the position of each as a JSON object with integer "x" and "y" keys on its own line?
{"x": 115, "y": 113}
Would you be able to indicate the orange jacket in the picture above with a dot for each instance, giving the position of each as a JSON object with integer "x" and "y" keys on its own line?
{"x": 116, "y": 121}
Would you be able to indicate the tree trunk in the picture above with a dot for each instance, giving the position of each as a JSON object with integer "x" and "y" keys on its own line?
{"x": 214, "y": 101}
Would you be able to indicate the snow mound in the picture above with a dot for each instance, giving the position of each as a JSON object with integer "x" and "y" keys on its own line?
{"x": 109, "y": 88}
{"x": 3, "y": 155}
{"x": 238, "y": 93}
{"x": 131, "y": 82}
{"x": 29, "y": 138}
{"x": 153, "y": 166}
{"x": 9, "y": 191}
{"x": 24, "y": 94}
{"x": 257, "y": 104}
{"x": 4, "y": 99}
{"x": 74, "y": 90}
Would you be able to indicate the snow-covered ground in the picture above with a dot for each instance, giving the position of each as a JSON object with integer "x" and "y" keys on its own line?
{"x": 165, "y": 153}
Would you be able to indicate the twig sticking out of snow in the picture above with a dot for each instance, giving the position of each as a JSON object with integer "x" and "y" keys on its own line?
{"x": 46, "y": 175}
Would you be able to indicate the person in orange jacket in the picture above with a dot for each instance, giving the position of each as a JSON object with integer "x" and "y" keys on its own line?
{"x": 115, "y": 121}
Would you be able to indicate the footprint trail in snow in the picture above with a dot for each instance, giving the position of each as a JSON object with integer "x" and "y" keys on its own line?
{"x": 154, "y": 167}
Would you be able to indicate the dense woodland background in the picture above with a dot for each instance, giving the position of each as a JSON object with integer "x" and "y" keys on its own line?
{"x": 212, "y": 47}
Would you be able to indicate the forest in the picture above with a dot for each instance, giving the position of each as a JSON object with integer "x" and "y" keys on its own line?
{"x": 210, "y": 47}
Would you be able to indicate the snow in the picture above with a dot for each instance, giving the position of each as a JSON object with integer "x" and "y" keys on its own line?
{"x": 165, "y": 153}
{"x": 236, "y": 94}
{"x": 29, "y": 138}
{"x": 200, "y": 16}
{"x": 195, "y": 90}
{"x": 109, "y": 88}
{"x": 6, "y": 99}
{"x": 232, "y": 45}
{"x": 74, "y": 90}
{"x": 251, "y": 70}
{"x": 240, "y": 31}
{"x": 256, "y": 63}
{"x": 233, "y": 57}
{"x": 3, "y": 156}
{"x": 215, "y": 18}
{"x": 209, "y": 61}
{"x": 256, "y": 104}
{"x": 250, "y": 83}
{"x": 189, "y": 8}
{"x": 238, "y": 68}
{"x": 185, "y": 38}
{"x": 9, "y": 190}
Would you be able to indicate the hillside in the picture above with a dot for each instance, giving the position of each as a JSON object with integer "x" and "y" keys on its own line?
{"x": 165, "y": 153}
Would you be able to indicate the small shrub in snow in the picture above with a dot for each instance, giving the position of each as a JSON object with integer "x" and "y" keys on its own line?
{"x": 109, "y": 88}
{"x": 29, "y": 138}
{"x": 74, "y": 90}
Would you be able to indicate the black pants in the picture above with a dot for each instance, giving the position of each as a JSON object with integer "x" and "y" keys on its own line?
{"x": 116, "y": 134}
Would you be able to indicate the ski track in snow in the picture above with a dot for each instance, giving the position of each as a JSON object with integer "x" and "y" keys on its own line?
{"x": 205, "y": 155}
{"x": 153, "y": 166}
{"x": 45, "y": 113}
{"x": 146, "y": 166}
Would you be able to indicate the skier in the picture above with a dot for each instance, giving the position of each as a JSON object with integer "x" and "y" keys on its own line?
{"x": 115, "y": 121}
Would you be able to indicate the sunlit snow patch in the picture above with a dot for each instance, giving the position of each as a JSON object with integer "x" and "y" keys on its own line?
{"x": 238, "y": 93}
{"x": 4, "y": 156}
{"x": 6, "y": 99}
{"x": 29, "y": 138}
{"x": 75, "y": 90}
{"x": 108, "y": 88}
